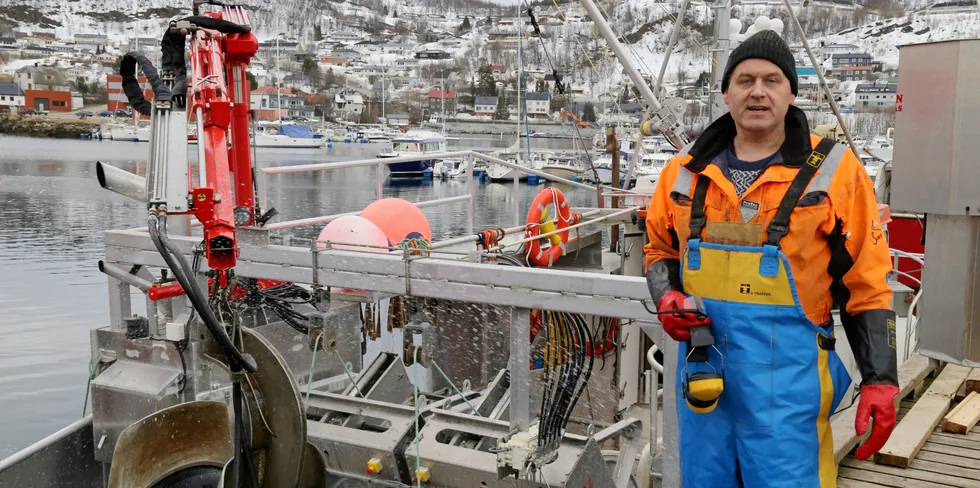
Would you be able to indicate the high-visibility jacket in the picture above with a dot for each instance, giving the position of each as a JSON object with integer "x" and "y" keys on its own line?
{"x": 835, "y": 243}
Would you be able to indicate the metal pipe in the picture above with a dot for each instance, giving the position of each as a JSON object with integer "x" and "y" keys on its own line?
{"x": 670, "y": 46}
{"x": 45, "y": 443}
{"x": 823, "y": 83}
{"x": 327, "y": 218}
{"x": 121, "y": 275}
{"x": 719, "y": 57}
{"x": 473, "y": 238}
{"x": 362, "y": 162}
{"x": 566, "y": 229}
{"x": 517, "y": 177}
{"x": 121, "y": 181}
{"x": 469, "y": 191}
{"x": 381, "y": 177}
{"x": 201, "y": 142}
{"x": 607, "y": 33}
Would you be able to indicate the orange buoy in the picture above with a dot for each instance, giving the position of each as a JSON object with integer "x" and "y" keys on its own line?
{"x": 398, "y": 219}
{"x": 539, "y": 222}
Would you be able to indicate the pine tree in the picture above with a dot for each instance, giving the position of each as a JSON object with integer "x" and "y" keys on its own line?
{"x": 588, "y": 112}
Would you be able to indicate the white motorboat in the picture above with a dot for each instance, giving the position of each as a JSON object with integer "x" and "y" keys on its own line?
{"x": 414, "y": 143}
{"x": 563, "y": 167}
{"x": 291, "y": 136}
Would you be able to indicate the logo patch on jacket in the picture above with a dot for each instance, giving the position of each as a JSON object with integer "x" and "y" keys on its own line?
{"x": 749, "y": 210}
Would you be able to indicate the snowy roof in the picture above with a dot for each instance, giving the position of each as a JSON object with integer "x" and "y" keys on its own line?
{"x": 485, "y": 101}
{"x": 11, "y": 89}
{"x": 543, "y": 96}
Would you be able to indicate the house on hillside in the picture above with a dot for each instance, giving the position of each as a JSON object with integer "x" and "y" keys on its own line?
{"x": 46, "y": 89}
{"x": 439, "y": 99}
{"x": 485, "y": 106}
{"x": 840, "y": 60}
{"x": 349, "y": 103}
{"x": 432, "y": 54}
{"x": 11, "y": 97}
{"x": 855, "y": 73}
{"x": 538, "y": 104}
{"x": 875, "y": 96}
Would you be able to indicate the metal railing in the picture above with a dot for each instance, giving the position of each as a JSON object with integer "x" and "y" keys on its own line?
{"x": 379, "y": 163}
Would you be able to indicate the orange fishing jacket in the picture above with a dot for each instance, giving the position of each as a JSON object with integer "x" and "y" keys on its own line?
{"x": 834, "y": 231}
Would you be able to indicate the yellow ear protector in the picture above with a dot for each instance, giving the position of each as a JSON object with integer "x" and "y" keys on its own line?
{"x": 702, "y": 389}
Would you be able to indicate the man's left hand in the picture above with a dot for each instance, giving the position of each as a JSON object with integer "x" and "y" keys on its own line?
{"x": 878, "y": 402}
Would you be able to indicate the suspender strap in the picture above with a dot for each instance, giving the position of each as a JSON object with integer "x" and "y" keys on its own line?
{"x": 698, "y": 218}
{"x": 779, "y": 226}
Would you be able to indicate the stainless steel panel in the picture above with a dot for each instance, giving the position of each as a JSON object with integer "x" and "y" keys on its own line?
{"x": 65, "y": 458}
{"x": 348, "y": 448}
{"x": 344, "y": 325}
{"x": 125, "y": 393}
{"x": 949, "y": 324}
{"x": 935, "y": 168}
{"x": 472, "y": 342}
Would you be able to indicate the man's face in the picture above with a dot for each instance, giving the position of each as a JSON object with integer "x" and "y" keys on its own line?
{"x": 758, "y": 96}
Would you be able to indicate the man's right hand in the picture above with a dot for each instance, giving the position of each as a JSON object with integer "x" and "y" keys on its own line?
{"x": 677, "y": 324}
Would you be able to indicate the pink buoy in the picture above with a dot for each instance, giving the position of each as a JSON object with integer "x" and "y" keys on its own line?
{"x": 399, "y": 220}
{"x": 353, "y": 233}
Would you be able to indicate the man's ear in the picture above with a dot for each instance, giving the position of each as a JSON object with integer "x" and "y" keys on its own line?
{"x": 725, "y": 97}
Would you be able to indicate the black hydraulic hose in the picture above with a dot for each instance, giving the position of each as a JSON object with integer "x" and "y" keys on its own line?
{"x": 237, "y": 459}
{"x": 178, "y": 265}
{"x": 548, "y": 382}
{"x": 580, "y": 322}
{"x": 578, "y": 359}
{"x": 563, "y": 392}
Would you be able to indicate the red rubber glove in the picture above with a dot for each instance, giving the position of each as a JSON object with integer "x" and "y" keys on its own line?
{"x": 877, "y": 401}
{"x": 676, "y": 325}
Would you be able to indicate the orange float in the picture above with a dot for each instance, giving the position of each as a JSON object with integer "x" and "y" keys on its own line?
{"x": 539, "y": 222}
{"x": 398, "y": 219}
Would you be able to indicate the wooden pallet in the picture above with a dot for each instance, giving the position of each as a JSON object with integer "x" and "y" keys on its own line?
{"x": 945, "y": 460}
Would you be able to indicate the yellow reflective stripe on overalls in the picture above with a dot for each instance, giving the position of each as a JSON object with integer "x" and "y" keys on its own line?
{"x": 782, "y": 377}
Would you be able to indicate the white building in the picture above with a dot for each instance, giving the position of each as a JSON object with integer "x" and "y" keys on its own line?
{"x": 349, "y": 103}
{"x": 875, "y": 96}
{"x": 538, "y": 104}
{"x": 11, "y": 96}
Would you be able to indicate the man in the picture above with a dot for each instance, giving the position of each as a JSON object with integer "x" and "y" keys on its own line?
{"x": 769, "y": 226}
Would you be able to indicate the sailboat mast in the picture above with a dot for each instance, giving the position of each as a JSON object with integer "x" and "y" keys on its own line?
{"x": 719, "y": 56}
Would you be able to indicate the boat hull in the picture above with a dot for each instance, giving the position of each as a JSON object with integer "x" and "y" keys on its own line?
{"x": 411, "y": 168}
{"x": 561, "y": 172}
{"x": 263, "y": 140}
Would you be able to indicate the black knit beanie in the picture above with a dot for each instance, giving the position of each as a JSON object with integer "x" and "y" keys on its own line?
{"x": 765, "y": 45}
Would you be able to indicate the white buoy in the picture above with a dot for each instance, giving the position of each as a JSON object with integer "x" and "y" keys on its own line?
{"x": 734, "y": 26}
{"x": 751, "y": 30}
{"x": 777, "y": 26}
{"x": 761, "y": 23}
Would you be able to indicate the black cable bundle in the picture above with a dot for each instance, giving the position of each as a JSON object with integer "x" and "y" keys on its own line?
{"x": 280, "y": 299}
{"x": 569, "y": 343}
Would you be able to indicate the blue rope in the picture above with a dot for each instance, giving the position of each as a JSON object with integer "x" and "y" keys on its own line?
{"x": 309, "y": 381}
{"x": 454, "y": 388}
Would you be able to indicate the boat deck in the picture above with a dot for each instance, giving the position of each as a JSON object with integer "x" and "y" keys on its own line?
{"x": 945, "y": 460}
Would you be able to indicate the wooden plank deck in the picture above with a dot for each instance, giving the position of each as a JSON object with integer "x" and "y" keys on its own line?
{"x": 945, "y": 460}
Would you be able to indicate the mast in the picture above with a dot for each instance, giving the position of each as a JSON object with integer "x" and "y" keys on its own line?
{"x": 278, "y": 82}
{"x": 719, "y": 56}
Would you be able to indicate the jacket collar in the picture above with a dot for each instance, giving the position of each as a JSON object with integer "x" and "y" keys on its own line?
{"x": 716, "y": 138}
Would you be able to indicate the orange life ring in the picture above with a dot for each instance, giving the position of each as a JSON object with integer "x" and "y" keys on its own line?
{"x": 539, "y": 222}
